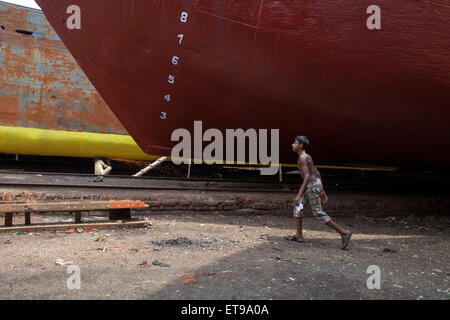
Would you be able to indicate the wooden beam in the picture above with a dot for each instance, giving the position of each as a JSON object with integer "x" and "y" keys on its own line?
{"x": 70, "y": 206}
{"x": 56, "y": 227}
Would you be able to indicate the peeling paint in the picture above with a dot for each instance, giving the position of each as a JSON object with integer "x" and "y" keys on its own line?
{"x": 2, "y": 53}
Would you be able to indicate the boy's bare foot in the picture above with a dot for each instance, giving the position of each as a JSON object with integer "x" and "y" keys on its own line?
{"x": 295, "y": 238}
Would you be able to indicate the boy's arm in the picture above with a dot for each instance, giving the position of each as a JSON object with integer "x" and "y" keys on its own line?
{"x": 320, "y": 177}
{"x": 305, "y": 169}
{"x": 323, "y": 195}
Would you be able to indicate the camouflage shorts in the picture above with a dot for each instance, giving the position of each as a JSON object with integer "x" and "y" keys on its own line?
{"x": 313, "y": 197}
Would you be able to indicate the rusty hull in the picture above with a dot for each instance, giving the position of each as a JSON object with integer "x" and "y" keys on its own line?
{"x": 41, "y": 85}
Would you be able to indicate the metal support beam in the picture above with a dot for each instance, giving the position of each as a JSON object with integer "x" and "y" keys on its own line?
{"x": 189, "y": 170}
{"x": 150, "y": 167}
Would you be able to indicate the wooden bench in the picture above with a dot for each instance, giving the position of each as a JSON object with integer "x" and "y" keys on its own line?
{"x": 118, "y": 209}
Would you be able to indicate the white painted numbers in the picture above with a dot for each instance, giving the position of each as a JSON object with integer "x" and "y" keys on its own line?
{"x": 74, "y": 20}
{"x": 374, "y": 21}
{"x": 181, "y": 36}
{"x": 374, "y": 281}
{"x": 184, "y": 16}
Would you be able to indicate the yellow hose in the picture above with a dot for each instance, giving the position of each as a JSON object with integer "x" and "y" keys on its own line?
{"x": 43, "y": 142}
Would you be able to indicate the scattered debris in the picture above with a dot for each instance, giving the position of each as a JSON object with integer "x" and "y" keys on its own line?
{"x": 20, "y": 233}
{"x": 160, "y": 264}
{"x": 144, "y": 264}
{"x": 444, "y": 291}
{"x": 186, "y": 276}
{"x": 144, "y": 282}
{"x": 398, "y": 286}
{"x": 291, "y": 279}
{"x": 106, "y": 248}
{"x": 148, "y": 224}
{"x": 174, "y": 242}
{"x": 185, "y": 242}
{"x": 288, "y": 260}
{"x": 168, "y": 283}
{"x": 387, "y": 250}
{"x": 100, "y": 238}
{"x": 189, "y": 281}
{"x": 264, "y": 236}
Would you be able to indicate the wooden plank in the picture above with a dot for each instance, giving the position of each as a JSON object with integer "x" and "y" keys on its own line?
{"x": 128, "y": 204}
{"x": 70, "y": 206}
{"x": 56, "y": 227}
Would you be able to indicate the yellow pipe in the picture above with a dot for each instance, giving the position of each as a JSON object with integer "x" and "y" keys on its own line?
{"x": 43, "y": 142}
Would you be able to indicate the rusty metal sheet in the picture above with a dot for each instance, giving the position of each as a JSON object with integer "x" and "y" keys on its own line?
{"x": 41, "y": 85}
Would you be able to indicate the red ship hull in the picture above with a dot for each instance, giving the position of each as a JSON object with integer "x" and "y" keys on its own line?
{"x": 374, "y": 97}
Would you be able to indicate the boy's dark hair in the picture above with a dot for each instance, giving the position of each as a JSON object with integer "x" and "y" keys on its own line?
{"x": 304, "y": 140}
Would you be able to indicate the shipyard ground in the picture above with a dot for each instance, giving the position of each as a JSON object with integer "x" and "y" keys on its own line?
{"x": 193, "y": 256}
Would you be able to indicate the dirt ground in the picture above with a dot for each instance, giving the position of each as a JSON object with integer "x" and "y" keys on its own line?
{"x": 231, "y": 257}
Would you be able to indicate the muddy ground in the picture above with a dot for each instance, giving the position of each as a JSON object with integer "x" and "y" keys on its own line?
{"x": 231, "y": 257}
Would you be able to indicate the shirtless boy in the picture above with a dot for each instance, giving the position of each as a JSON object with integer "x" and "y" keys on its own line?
{"x": 312, "y": 191}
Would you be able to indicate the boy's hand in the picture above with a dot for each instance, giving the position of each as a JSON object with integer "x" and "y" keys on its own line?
{"x": 297, "y": 200}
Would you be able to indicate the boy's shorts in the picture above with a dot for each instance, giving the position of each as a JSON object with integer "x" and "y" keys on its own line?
{"x": 313, "y": 197}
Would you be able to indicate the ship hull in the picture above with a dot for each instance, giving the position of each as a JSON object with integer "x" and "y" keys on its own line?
{"x": 375, "y": 97}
